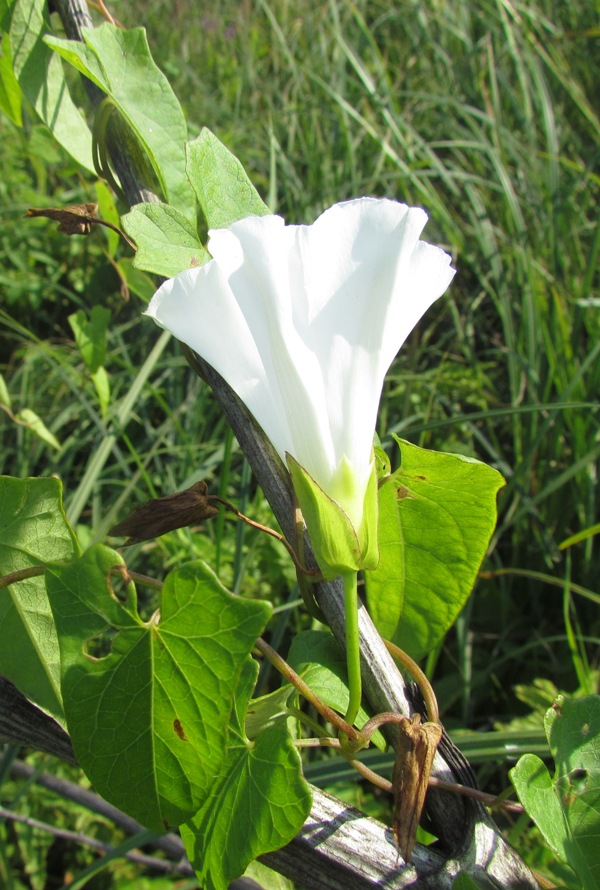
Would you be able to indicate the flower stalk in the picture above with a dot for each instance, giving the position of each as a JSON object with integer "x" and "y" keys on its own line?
{"x": 352, "y": 646}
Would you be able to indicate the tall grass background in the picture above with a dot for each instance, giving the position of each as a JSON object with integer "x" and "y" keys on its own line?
{"x": 481, "y": 112}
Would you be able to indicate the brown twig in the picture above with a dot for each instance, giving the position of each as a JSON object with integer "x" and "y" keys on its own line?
{"x": 433, "y": 712}
{"x": 21, "y": 575}
{"x": 281, "y": 665}
{"x": 312, "y": 573}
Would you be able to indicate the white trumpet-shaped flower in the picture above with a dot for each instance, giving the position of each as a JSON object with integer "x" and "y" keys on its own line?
{"x": 303, "y": 322}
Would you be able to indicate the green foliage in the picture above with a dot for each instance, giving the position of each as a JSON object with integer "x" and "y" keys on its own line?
{"x": 120, "y": 64}
{"x": 223, "y": 188}
{"x": 437, "y": 514}
{"x": 566, "y": 807}
{"x": 10, "y": 94}
{"x": 263, "y": 777}
{"x": 315, "y": 655}
{"x": 35, "y": 532}
{"x": 167, "y": 243}
{"x": 41, "y": 77}
{"x": 148, "y": 721}
{"x": 90, "y": 335}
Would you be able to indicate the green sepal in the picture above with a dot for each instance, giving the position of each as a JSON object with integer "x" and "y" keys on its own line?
{"x": 338, "y": 546}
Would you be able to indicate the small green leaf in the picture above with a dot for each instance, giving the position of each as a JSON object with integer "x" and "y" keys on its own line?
{"x": 102, "y": 384}
{"x": 533, "y": 784}
{"x": 267, "y": 710}
{"x": 35, "y": 532}
{"x": 137, "y": 281}
{"x": 167, "y": 243}
{"x": 4, "y": 393}
{"x": 437, "y": 513}
{"x": 10, "y": 91}
{"x": 266, "y": 877}
{"x": 222, "y": 186}
{"x": 90, "y": 335}
{"x": 260, "y": 799}
{"x": 566, "y": 807}
{"x": 120, "y": 64}
{"x": 41, "y": 77}
{"x": 149, "y": 720}
{"x": 107, "y": 209}
{"x": 37, "y": 426}
{"x": 316, "y": 656}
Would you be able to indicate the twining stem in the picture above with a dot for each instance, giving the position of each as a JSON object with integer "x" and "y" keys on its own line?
{"x": 420, "y": 678}
{"x": 492, "y": 801}
{"x": 281, "y": 665}
{"x": 352, "y": 646}
{"x": 21, "y": 575}
{"x": 313, "y": 573}
{"x": 99, "y": 148}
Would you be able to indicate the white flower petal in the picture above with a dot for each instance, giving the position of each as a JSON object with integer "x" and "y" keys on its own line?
{"x": 304, "y": 321}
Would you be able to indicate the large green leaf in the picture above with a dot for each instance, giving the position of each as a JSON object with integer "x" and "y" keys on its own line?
{"x": 34, "y": 532}
{"x": 41, "y": 77}
{"x": 259, "y": 803}
{"x": 149, "y": 720}
{"x": 120, "y": 64}
{"x": 566, "y": 806}
{"x": 437, "y": 513}
{"x": 222, "y": 186}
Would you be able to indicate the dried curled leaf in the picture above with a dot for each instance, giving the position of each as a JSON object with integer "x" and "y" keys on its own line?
{"x": 77, "y": 219}
{"x": 414, "y": 758}
{"x": 161, "y": 515}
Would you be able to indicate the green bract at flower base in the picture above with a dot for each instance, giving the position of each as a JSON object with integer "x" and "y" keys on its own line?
{"x": 338, "y": 546}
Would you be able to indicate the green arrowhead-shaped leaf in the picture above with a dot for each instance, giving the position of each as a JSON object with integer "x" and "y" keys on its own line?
{"x": 41, "y": 77}
{"x": 90, "y": 335}
{"x": 34, "y": 422}
{"x": 167, "y": 243}
{"x": 149, "y": 721}
{"x": 566, "y": 807}
{"x": 268, "y": 710}
{"x": 120, "y": 64}
{"x": 437, "y": 513}
{"x": 316, "y": 656}
{"x": 222, "y": 186}
{"x": 534, "y": 786}
{"x": 35, "y": 532}
{"x": 259, "y": 803}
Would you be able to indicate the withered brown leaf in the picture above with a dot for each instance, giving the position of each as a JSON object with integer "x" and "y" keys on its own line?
{"x": 161, "y": 515}
{"x": 77, "y": 219}
{"x": 414, "y": 759}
